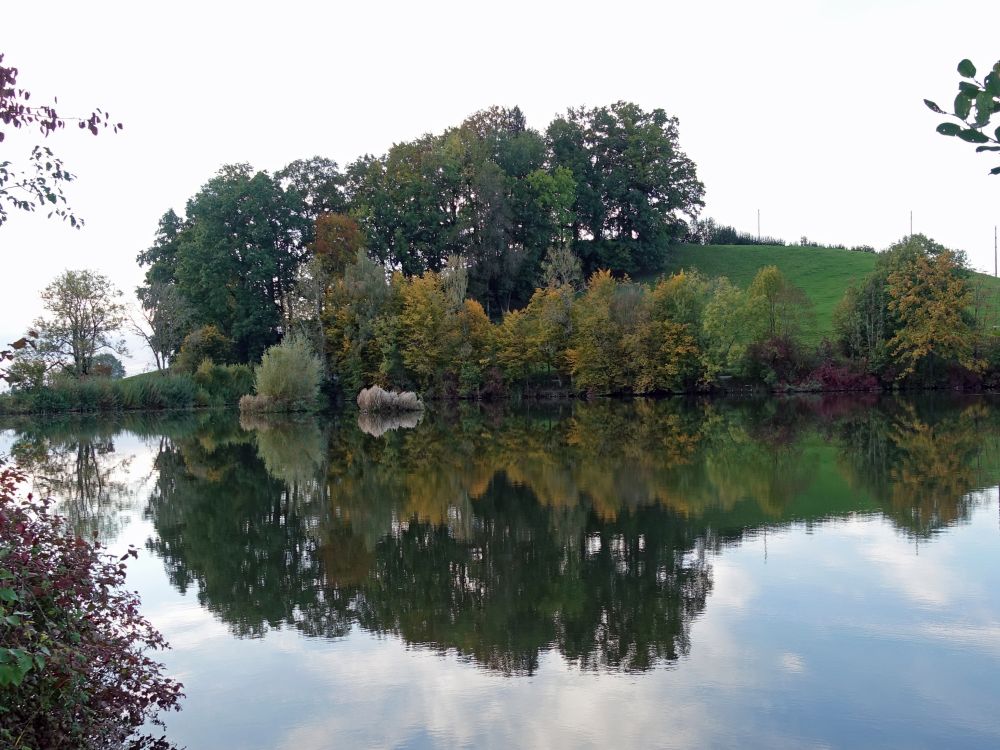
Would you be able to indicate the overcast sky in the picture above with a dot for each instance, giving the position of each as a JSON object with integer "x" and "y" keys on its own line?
{"x": 809, "y": 111}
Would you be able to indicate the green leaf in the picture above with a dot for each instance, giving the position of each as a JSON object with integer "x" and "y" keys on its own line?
{"x": 949, "y": 128}
{"x": 963, "y": 105}
{"x": 8, "y": 595}
{"x": 995, "y": 170}
{"x": 984, "y": 108}
{"x": 967, "y": 69}
{"x": 969, "y": 90}
{"x": 933, "y": 107}
{"x": 992, "y": 84}
{"x": 980, "y": 149}
{"x": 973, "y": 136}
{"x": 24, "y": 660}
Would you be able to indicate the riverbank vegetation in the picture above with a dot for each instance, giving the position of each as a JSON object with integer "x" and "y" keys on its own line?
{"x": 287, "y": 379}
{"x": 211, "y": 385}
{"x": 493, "y": 260}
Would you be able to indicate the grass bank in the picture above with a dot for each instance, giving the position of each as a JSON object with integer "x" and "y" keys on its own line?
{"x": 822, "y": 273}
{"x": 211, "y": 386}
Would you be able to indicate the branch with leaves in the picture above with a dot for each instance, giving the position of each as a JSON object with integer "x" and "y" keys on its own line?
{"x": 975, "y": 104}
{"x": 38, "y": 185}
{"x": 8, "y": 355}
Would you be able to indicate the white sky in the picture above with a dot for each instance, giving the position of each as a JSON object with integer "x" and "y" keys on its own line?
{"x": 810, "y": 111}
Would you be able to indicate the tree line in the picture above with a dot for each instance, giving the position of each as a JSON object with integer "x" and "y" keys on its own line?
{"x": 919, "y": 319}
{"x": 609, "y": 183}
{"x": 494, "y": 259}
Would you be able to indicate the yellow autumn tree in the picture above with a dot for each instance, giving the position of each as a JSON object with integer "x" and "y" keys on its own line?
{"x": 426, "y": 330}
{"x": 663, "y": 352}
{"x": 664, "y": 356}
{"x": 601, "y": 317}
{"x": 516, "y": 353}
{"x": 681, "y": 298}
{"x": 533, "y": 341}
{"x": 725, "y": 329}
{"x": 776, "y": 307}
{"x": 929, "y": 298}
{"x": 475, "y": 350}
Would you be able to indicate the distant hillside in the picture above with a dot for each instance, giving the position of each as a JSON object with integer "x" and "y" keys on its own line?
{"x": 822, "y": 273}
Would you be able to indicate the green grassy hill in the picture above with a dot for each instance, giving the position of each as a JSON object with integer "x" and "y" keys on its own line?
{"x": 821, "y": 272}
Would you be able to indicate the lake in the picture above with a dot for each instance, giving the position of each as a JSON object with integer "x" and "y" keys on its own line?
{"x": 785, "y": 572}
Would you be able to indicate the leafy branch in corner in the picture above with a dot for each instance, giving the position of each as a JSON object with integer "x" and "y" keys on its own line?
{"x": 975, "y": 104}
{"x": 39, "y": 183}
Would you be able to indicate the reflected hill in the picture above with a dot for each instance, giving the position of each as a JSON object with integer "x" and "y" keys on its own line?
{"x": 500, "y": 534}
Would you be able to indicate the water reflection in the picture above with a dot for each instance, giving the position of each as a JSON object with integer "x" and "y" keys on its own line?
{"x": 78, "y": 463}
{"x": 500, "y": 534}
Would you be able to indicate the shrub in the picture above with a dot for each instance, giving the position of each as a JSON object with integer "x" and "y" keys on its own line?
{"x": 375, "y": 399}
{"x": 73, "y": 665}
{"x": 107, "y": 365}
{"x": 224, "y": 384}
{"x": 831, "y": 376}
{"x": 774, "y": 360}
{"x": 287, "y": 379}
{"x": 207, "y": 342}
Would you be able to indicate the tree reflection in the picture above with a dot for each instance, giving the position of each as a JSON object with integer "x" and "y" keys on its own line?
{"x": 923, "y": 464}
{"x": 588, "y": 528}
{"x": 242, "y": 536}
{"x": 81, "y": 468}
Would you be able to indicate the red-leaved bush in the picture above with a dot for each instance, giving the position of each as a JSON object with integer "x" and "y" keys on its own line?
{"x": 74, "y": 670}
{"x": 831, "y": 376}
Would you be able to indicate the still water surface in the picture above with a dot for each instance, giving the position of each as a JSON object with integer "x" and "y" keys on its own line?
{"x": 809, "y": 572}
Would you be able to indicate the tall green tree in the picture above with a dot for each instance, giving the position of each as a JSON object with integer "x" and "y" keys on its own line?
{"x": 635, "y": 185}
{"x": 314, "y": 186}
{"x": 236, "y": 258}
{"x": 407, "y": 204}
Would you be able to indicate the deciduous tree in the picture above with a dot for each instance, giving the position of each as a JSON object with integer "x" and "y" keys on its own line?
{"x": 84, "y": 318}
{"x": 930, "y": 299}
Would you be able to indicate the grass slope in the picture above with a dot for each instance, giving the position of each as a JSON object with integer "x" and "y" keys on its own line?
{"x": 822, "y": 273}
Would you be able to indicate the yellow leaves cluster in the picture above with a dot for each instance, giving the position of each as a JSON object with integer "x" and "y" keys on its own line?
{"x": 929, "y": 298}
{"x": 616, "y": 336}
